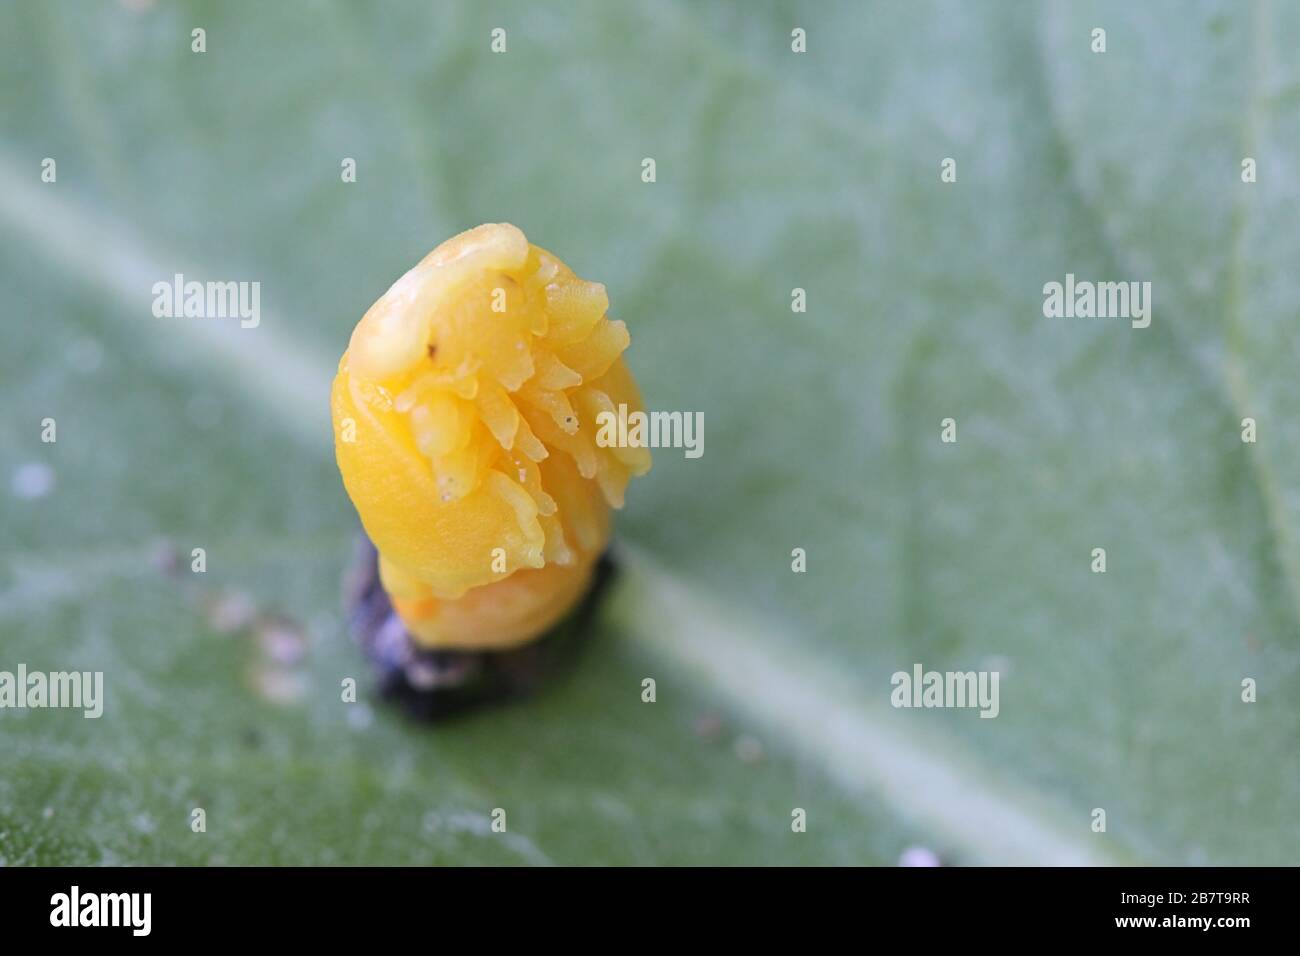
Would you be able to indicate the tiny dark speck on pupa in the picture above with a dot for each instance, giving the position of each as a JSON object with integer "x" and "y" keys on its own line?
{"x": 433, "y": 350}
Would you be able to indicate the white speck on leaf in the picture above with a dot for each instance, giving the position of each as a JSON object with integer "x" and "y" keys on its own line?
{"x": 918, "y": 856}
{"x": 32, "y": 480}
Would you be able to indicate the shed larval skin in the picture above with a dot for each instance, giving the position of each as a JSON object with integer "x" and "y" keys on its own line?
{"x": 465, "y": 419}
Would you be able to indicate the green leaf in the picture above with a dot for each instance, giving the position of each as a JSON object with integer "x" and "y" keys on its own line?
{"x": 775, "y": 171}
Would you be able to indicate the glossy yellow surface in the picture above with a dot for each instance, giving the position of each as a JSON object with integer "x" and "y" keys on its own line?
{"x": 464, "y": 426}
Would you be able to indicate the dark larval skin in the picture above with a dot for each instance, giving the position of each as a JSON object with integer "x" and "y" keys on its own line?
{"x": 432, "y": 684}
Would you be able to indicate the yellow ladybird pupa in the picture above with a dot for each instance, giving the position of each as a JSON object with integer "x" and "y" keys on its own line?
{"x": 465, "y": 430}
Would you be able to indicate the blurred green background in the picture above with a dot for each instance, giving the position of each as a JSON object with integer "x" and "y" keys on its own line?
{"x": 775, "y": 170}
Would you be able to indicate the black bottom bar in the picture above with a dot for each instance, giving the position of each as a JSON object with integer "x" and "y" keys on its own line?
{"x": 368, "y": 905}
